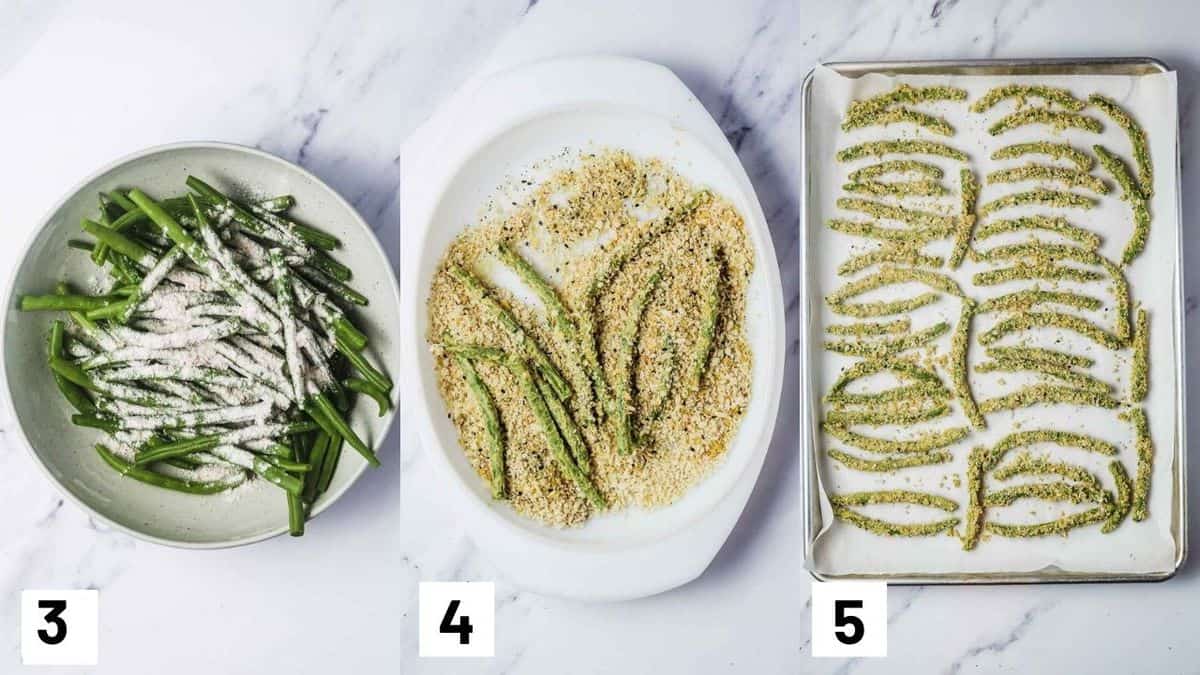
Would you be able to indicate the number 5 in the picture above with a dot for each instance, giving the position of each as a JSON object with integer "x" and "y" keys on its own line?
{"x": 840, "y": 619}
{"x": 54, "y": 617}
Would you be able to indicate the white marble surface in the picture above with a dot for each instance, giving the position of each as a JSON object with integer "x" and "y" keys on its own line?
{"x": 338, "y": 86}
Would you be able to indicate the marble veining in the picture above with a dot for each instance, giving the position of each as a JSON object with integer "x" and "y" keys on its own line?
{"x": 337, "y": 86}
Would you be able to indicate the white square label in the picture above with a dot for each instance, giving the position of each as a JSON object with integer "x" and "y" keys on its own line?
{"x": 849, "y": 618}
{"x": 59, "y": 628}
{"x": 457, "y": 619}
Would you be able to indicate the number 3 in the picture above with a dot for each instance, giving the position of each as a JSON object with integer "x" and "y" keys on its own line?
{"x": 53, "y": 617}
{"x": 840, "y": 619}
{"x": 463, "y": 627}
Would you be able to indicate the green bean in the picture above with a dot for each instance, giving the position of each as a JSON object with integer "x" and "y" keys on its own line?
{"x": 81, "y": 245}
{"x": 1053, "y": 174}
{"x": 623, "y": 394}
{"x": 708, "y": 320}
{"x": 1060, "y": 526}
{"x": 665, "y": 387}
{"x": 333, "y": 455}
{"x": 74, "y": 394}
{"x": 1057, "y": 225}
{"x": 906, "y": 93}
{"x": 566, "y": 426}
{"x": 1137, "y": 139}
{"x": 928, "y": 442}
{"x": 119, "y": 243}
{"x": 959, "y": 345}
{"x": 492, "y": 424}
{"x": 276, "y": 204}
{"x": 889, "y": 347}
{"x": 1029, "y": 320}
{"x": 364, "y": 387}
{"x": 1021, "y": 92}
{"x": 977, "y": 461}
{"x": 331, "y": 285}
{"x": 933, "y": 123}
{"x": 187, "y": 446}
{"x": 889, "y": 464}
{"x": 160, "y": 480}
{"x": 969, "y": 191}
{"x": 1139, "y": 379}
{"x": 1050, "y": 395}
{"x": 1059, "y": 491}
{"x": 335, "y": 419}
{"x": 1054, "y": 118}
{"x": 316, "y": 459}
{"x": 506, "y": 319}
{"x": 78, "y": 303}
{"x": 1054, "y": 150}
{"x": 1041, "y": 355}
{"x": 558, "y": 449}
{"x": 1124, "y": 500}
{"x": 94, "y": 422}
{"x": 74, "y": 373}
{"x": 1059, "y": 199}
{"x": 369, "y": 372}
{"x": 1145, "y": 468}
{"x": 296, "y": 512}
{"x": 1029, "y": 298}
{"x": 891, "y": 529}
{"x": 541, "y": 287}
{"x": 896, "y": 166}
{"x": 901, "y": 147}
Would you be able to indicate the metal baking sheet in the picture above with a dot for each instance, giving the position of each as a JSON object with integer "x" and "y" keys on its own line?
{"x": 810, "y": 399}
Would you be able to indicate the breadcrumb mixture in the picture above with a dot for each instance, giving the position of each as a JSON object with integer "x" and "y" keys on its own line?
{"x": 570, "y": 226}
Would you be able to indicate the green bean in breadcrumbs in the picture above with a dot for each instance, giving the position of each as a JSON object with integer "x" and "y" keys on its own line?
{"x": 1145, "y": 454}
{"x": 869, "y": 310}
{"x": 894, "y": 252}
{"x": 1031, "y": 297}
{"x": 882, "y": 348}
{"x": 898, "y": 213}
{"x": 890, "y": 464}
{"x": 1046, "y": 394}
{"x": 906, "y": 94}
{"x": 914, "y": 188}
{"x": 909, "y": 393}
{"x": 1023, "y": 272}
{"x": 901, "y": 147}
{"x": 1071, "y": 377}
{"x": 1049, "y": 174}
{"x": 1023, "y": 92}
{"x": 558, "y": 448}
{"x": 1078, "y": 157}
{"x": 969, "y": 195}
{"x": 870, "y": 327}
{"x": 885, "y": 416}
{"x": 491, "y": 422}
{"x": 587, "y": 327}
{"x": 895, "y": 497}
{"x": 1058, "y": 199}
{"x": 899, "y": 166}
{"x": 1139, "y": 379}
{"x": 977, "y": 462}
{"x": 1124, "y": 500}
{"x": 869, "y": 230}
{"x": 566, "y": 426}
{"x": 926, "y": 442}
{"x": 895, "y": 275}
{"x": 1028, "y": 465}
{"x": 1132, "y": 193}
{"x": 1055, "y": 224}
{"x": 623, "y": 394}
{"x": 667, "y": 385}
{"x": 1137, "y": 139}
{"x": 959, "y": 345}
{"x": 933, "y": 123}
{"x": 708, "y": 322}
{"x": 501, "y": 313}
{"x": 1056, "y": 492}
{"x": 1054, "y": 118}
{"x": 1060, "y": 526}
{"x": 545, "y": 292}
{"x": 1030, "y": 320}
{"x": 1040, "y": 354}
{"x": 890, "y": 529}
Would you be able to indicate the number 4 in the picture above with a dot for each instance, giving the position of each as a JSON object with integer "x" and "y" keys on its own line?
{"x": 463, "y": 627}
{"x": 841, "y": 619}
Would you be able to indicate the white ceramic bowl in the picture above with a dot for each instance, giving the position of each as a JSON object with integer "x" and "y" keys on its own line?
{"x": 451, "y": 167}
{"x": 65, "y": 452}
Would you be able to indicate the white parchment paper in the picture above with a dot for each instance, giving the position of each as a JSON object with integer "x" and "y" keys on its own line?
{"x": 1144, "y": 547}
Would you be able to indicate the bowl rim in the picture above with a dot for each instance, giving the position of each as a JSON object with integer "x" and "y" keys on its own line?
{"x": 10, "y": 290}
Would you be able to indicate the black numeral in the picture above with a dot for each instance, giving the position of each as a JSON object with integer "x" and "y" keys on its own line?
{"x": 463, "y": 627}
{"x": 54, "y": 618}
{"x": 856, "y": 630}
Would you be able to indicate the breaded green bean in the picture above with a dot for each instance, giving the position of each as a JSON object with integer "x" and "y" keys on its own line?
{"x": 888, "y": 347}
{"x": 491, "y": 420}
{"x": 977, "y": 462}
{"x": 708, "y": 321}
{"x": 1137, "y": 139}
{"x": 895, "y": 497}
{"x": 885, "y": 416}
{"x": 1059, "y": 526}
{"x": 969, "y": 196}
{"x": 1058, "y": 199}
{"x": 896, "y": 253}
{"x": 870, "y": 327}
{"x": 1124, "y": 501}
{"x": 906, "y": 94}
{"x": 1028, "y": 465}
{"x": 900, "y": 147}
{"x": 933, "y": 123}
{"x": 1066, "y": 375}
{"x": 1049, "y": 174}
{"x": 926, "y": 442}
{"x": 1132, "y": 193}
{"x": 901, "y": 214}
{"x": 541, "y": 287}
{"x": 912, "y": 188}
{"x": 891, "y": 463}
{"x": 895, "y": 275}
{"x": 890, "y": 529}
{"x": 1056, "y": 492}
{"x": 1032, "y": 297}
{"x": 1139, "y": 378}
{"x": 1054, "y": 118}
{"x": 623, "y": 394}
{"x": 1040, "y": 354}
{"x": 1145, "y": 454}
{"x": 959, "y": 345}
{"x": 1046, "y": 394}
{"x": 1055, "y": 224}
{"x": 1022, "y": 92}
{"x": 896, "y": 166}
{"x": 1025, "y": 272}
{"x": 870, "y": 230}
{"x": 1030, "y": 320}
{"x": 1065, "y": 151}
